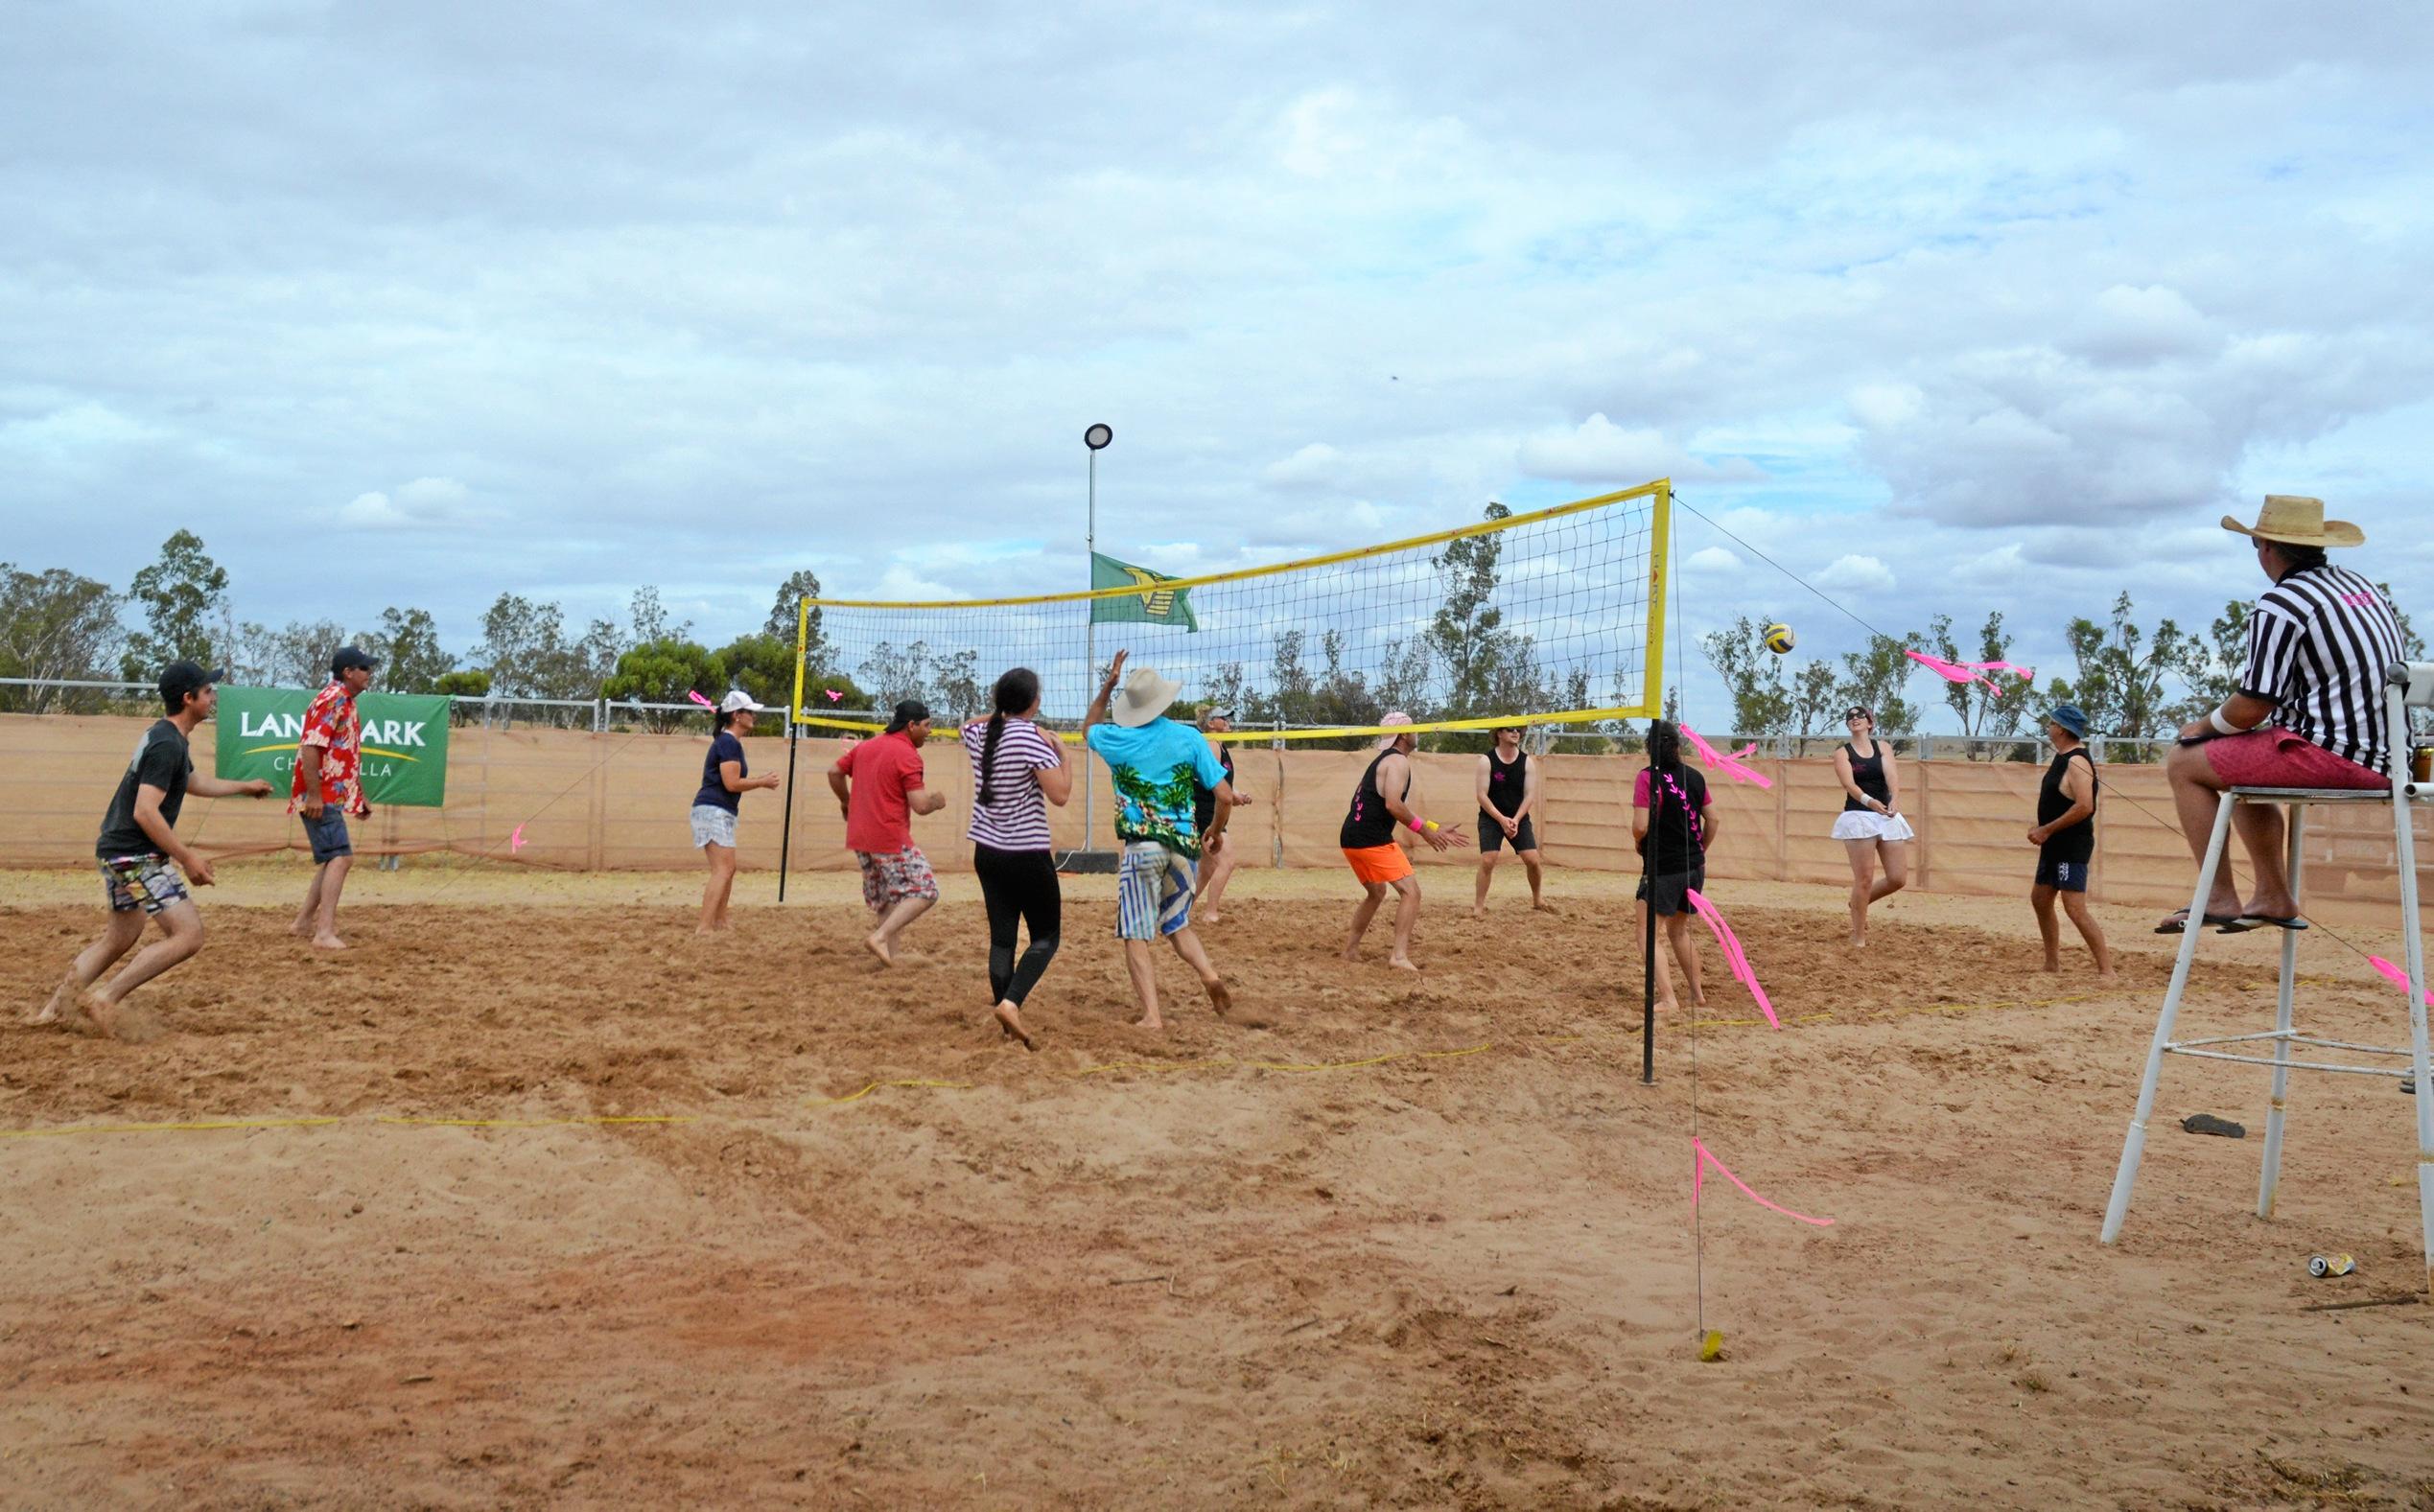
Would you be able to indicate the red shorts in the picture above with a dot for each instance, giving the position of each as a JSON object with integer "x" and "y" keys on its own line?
{"x": 2271, "y": 757}
{"x": 1386, "y": 863}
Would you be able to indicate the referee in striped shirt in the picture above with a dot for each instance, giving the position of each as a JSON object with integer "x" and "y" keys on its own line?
{"x": 2309, "y": 712}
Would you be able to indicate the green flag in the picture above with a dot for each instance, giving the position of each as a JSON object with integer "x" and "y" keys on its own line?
{"x": 405, "y": 741}
{"x": 1152, "y": 605}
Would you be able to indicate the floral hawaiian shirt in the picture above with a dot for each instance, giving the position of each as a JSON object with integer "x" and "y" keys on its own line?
{"x": 331, "y": 723}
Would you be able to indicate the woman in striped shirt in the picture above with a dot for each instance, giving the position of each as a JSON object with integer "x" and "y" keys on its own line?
{"x": 1017, "y": 769}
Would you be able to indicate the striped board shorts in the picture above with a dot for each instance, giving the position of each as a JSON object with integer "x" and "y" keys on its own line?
{"x": 1152, "y": 890}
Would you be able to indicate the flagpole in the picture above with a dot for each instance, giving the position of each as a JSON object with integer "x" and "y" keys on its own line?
{"x": 1094, "y": 439}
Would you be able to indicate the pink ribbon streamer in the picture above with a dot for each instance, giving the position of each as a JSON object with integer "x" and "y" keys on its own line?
{"x": 1702, "y": 1158}
{"x": 703, "y": 702}
{"x": 1728, "y": 765}
{"x": 1970, "y": 671}
{"x": 1734, "y": 955}
{"x": 2399, "y": 977}
{"x": 834, "y": 697}
{"x": 515, "y": 841}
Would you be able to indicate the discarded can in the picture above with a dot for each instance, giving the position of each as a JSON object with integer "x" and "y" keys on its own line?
{"x": 2321, "y": 1265}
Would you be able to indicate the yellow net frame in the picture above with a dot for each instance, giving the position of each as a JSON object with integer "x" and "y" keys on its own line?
{"x": 1659, "y": 494}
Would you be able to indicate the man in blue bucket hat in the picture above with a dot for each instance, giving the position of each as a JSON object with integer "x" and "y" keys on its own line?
{"x": 2065, "y": 838}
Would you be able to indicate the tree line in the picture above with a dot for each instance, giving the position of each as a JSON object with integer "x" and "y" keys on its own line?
{"x": 2133, "y": 682}
{"x": 60, "y": 626}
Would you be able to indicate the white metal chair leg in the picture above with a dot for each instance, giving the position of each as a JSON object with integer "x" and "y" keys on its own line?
{"x": 2134, "y": 1144}
{"x": 2404, "y": 845}
{"x": 2269, "y": 1179}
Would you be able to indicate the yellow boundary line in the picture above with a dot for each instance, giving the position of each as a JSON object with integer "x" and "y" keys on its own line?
{"x": 1219, "y": 1064}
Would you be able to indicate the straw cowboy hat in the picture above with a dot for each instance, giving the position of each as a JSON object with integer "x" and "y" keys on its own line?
{"x": 2297, "y": 521}
{"x": 1144, "y": 698}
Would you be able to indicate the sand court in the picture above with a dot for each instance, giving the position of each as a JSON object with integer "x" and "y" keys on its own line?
{"x": 1424, "y": 1242}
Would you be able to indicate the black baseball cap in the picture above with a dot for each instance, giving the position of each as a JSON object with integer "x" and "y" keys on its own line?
{"x": 179, "y": 678}
{"x": 350, "y": 659}
{"x": 910, "y": 712}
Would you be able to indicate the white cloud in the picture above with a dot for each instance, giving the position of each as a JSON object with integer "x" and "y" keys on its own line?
{"x": 1598, "y": 451}
{"x": 423, "y": 504}
{"x": 1710, "y": 560}
{"x": 1857, "y": 575}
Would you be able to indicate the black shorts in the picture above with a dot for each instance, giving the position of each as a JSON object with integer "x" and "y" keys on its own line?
{"x": 1670, "y": 889}
{"x": 1491, "y": 834}
{"x": 2062, "y": 873}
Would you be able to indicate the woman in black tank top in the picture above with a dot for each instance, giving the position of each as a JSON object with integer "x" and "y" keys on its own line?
{"x": 1871, "y": 827}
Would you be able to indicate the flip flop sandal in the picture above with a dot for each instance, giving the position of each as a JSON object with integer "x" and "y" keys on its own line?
{"x": 2260, "y": 920}
{"x": 2178, "y": 923}
{"x": 2209, "y": 1123}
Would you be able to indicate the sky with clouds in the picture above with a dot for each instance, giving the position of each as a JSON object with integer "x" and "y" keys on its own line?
{"x": 1950, "y": 309}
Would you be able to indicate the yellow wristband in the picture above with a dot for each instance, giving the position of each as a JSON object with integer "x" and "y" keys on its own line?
{"x": 1429, "y": 824}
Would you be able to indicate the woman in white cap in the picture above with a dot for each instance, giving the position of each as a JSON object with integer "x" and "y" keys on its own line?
{"x": 1870, "y": 827}
{"x": 723, "y": 785}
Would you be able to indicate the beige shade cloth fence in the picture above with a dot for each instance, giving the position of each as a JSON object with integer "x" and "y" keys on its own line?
{"x": 618, "y": 802}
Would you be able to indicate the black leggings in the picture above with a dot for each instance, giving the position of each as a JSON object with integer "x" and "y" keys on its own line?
{"x": 1018, "y": 886}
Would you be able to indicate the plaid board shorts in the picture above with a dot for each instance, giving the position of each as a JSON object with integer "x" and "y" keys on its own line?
{"x": 1154, "y": 889}
{"x": 150, "y": 881}
{"x": 888, "y": 879}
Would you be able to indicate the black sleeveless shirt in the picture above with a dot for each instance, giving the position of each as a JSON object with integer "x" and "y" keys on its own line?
{"x": 1868, "y": 775}
{"x": 2078, "y": 842}
{"x": 1368, "y": 823}
{"x": 1204, "y": 798}
{"x": 1505, "y": 787}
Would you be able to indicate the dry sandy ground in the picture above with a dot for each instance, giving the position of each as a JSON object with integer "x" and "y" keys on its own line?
{"x": 1188, "y": 1270}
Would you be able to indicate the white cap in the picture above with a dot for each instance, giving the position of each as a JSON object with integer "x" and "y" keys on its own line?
{"x": 737, "y": 699}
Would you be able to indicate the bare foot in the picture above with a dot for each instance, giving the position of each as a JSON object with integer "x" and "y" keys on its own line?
{"x": 879, "y": 948}
{"x": 2108, "y": 974}
{"x": 328, "y": 942}
{"x": 1149, "y": 1023}
{"x": 49, "y": 1013}
{"x": 1665, "y": 1005}
{"x": 1218, "y": 997}
{"x": 1352, "y": 953}
{"x": 1479, "y": 913}
{"x": 1541, "y": 906}
{"x": 1698, "y": 1000}
{"x": 301, "y": 931}
{"x": 2051, "y": 965}
{"x": 703, "y": 931}
{"x": 1212, "y": 918}
{"x": 1010, "y": 1019}
{"x": 1403, "y": 963}
{"x": 109, "y": 1020}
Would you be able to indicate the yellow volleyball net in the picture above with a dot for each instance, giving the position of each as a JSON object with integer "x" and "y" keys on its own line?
{"x": 1551, "y": 616}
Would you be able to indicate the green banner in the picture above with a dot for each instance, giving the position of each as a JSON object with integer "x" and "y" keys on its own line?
{"x": 1152, "y": 605}
{"x": 405, "y": 741}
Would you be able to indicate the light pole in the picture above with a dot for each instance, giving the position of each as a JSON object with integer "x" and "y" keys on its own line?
{"x": 1095, "y": 439}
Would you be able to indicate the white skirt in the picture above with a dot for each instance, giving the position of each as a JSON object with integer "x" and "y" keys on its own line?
{"x": 1858, "y": 824}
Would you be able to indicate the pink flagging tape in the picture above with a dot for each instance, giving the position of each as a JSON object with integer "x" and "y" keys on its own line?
{"x": 703, "y": 702}
{"x": 1723, "y": 763}
{"x": 1971, "y": 672}
{"x": 1734, "y": 955}
{"x": 1702, "y": 1158}
{"x": 515, "y": 841}
{"x": 2399, "y": 977}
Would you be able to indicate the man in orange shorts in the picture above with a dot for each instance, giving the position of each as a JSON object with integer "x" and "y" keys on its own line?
{"x": 1382, "y": 801}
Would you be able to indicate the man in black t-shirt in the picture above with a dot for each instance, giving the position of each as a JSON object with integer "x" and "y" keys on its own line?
{"x": 141, "y": 858}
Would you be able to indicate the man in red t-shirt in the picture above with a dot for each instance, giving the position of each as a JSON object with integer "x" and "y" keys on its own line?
{"x": 327, "y": 787}
{"x": 879, "y": 790}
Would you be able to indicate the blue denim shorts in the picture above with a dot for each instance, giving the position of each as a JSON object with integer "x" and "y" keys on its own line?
{"x": 328, "y": 834}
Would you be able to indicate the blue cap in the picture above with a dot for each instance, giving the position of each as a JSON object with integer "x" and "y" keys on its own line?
{"x": 2069, "y": 718}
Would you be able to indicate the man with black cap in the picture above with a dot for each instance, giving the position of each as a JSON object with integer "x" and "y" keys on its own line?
{"x": 880, "y": 787}
{"x": 141, "y": 858}
{"x": 326, "y": 787}
{"x": 2065, "y": 838}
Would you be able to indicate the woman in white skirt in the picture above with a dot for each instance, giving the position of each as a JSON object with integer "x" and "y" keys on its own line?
{"x": 1871, "y": 826}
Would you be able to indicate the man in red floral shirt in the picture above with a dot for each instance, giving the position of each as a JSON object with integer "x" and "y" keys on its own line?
{"x": 327, "y": 787}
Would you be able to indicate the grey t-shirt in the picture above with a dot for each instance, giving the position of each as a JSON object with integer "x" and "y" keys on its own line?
{"x": 161, "y": 760}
